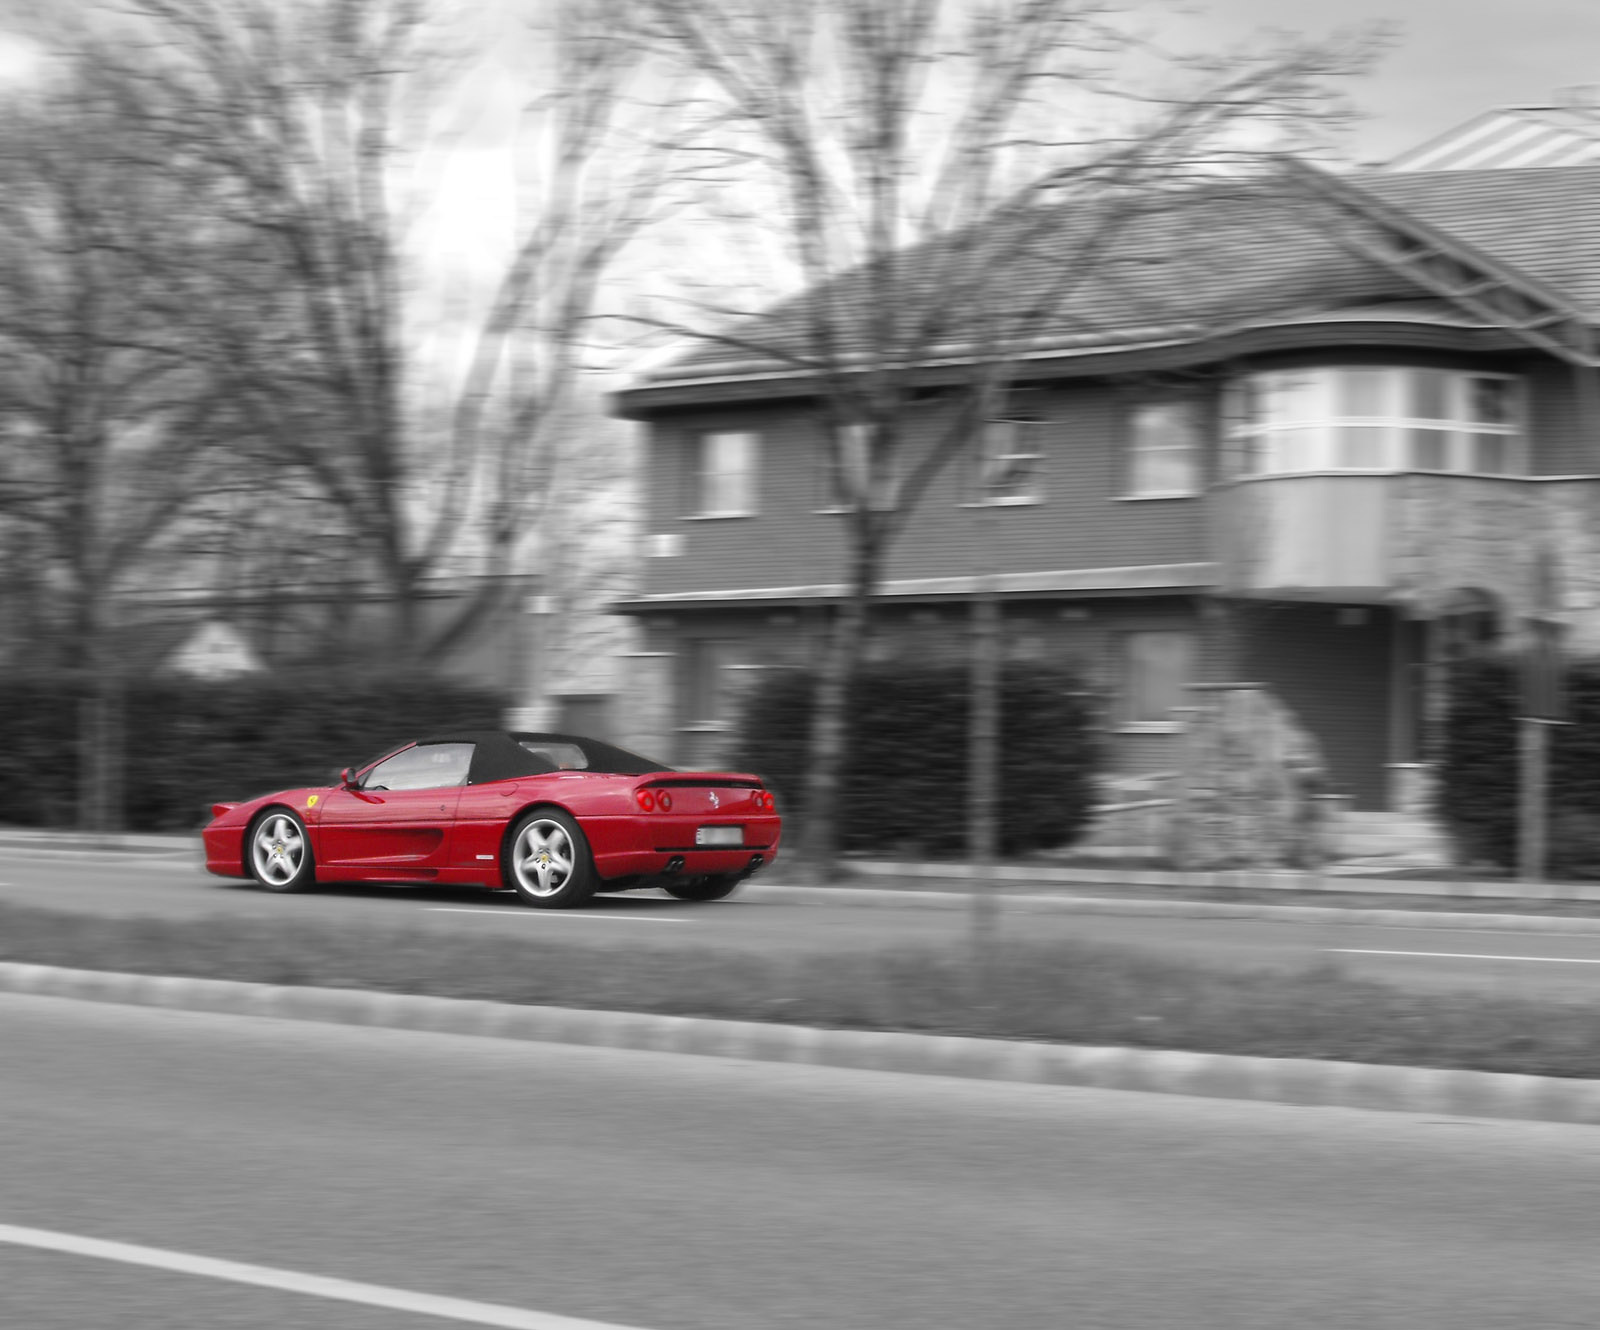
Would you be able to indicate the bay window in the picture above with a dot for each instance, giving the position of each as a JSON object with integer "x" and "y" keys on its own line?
{"x": 1388, "y": 418}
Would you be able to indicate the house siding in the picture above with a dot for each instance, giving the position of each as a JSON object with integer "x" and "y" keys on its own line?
{"x": 1559, "y": 444}
{"x": 1080, "y": 522}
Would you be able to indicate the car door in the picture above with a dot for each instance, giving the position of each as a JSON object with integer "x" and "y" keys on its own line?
{"x": 402, "y": 813}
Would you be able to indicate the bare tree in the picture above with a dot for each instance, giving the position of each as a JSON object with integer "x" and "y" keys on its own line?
{"x": 298, "y": 122}
{"x": 106, "y": 416}
{"x": 944, "y": 176}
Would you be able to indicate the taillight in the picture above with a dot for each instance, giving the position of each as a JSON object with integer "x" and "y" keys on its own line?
{"x": 665, "y": 801}
{"x": 647, "y": 800}
{"x": 763, "y": 800}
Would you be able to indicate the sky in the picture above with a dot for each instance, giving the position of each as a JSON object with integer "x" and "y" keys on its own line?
{"x": 1452, "y": 59}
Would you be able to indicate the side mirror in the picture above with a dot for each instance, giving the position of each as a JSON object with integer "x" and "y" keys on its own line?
{"x": 347, "y": 778}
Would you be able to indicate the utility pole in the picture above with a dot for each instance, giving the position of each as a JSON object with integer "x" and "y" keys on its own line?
{"x": 983, "y": 735}
{"x": 1541, "y": 709}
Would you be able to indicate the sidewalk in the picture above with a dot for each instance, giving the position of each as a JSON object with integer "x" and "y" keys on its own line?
{"x": 33, "y": 839}
{"x": 1337, "y": 879}
{"x": 1285, "y": 896}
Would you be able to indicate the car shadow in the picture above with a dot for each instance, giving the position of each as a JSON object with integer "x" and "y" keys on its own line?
{"x": 431, "y": 893}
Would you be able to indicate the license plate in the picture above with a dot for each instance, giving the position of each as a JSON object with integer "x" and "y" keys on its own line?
{"x": 719, "y": 836}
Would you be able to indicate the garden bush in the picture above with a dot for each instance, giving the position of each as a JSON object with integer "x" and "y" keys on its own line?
{"x": 905, "y": 779}
{"x": 1478, "y": 767}
{"x": 189, "y": 743}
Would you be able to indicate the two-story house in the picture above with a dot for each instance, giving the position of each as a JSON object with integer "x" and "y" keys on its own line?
{"x": 1323, "y": 446}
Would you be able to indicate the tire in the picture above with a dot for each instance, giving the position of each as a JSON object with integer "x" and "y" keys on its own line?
{"x": 705, "y": 888}
{"x": 547, "y": 862}
{"x": 278, "y": 852}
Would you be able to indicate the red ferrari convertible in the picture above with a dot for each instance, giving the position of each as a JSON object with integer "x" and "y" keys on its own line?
{"x": 552, "y": 817}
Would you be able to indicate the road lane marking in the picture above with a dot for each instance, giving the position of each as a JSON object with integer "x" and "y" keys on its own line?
{"x": 552, "y": 914}
{"x": 294, "y": 1281}
{"x": 1466, "y": 956}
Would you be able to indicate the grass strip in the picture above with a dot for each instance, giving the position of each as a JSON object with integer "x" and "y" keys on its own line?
{"x": 1057, "y": 992}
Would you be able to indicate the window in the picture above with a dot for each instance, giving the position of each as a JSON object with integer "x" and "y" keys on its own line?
{"x": 1009, "y": 462}
{"x": 1387, "y": 418}
{"x": 1164, "y": 449}
{"x": 845, "y": 475}
{"x": 1155, "y": 667}
{"x": 563, "y": 757}
{"x": 422, "y": 767}
{"x": 725, "y": 476}
{"x": 703, "y": 683}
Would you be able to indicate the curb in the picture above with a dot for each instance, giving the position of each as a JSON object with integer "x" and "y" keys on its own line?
{"x": 1302, "y": 1081}
{"x": 1254, "y": 879}
{"x": 1112, "y": 905}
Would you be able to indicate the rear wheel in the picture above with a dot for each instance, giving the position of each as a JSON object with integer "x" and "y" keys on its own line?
{"x": 280, "y": 851}
{"x": 705, "y": 888}
{"x": 546, "y": 861}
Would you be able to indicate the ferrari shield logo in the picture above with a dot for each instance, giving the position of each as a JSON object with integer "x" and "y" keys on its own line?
{"x": 311, "y": 801}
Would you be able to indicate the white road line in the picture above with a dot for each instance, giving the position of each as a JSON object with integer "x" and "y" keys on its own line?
{"x": 1484, "y": 932}
{"x": 293, "y": 1281}
{"x": 1467, "y": 956}
{"x": 554, "y": 914}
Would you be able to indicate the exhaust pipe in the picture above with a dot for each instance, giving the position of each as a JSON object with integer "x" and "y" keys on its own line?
{"x": 674, "y": 866}
{"x": 757, "y": 863}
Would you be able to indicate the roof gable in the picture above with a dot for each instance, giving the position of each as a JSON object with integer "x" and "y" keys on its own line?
{"x": 1510, "y": 137}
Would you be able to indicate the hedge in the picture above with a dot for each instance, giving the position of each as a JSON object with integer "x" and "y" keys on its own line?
{"x": 187, "y": 743}
{"x": 1478, "y": 767}
{"x": 905, "y": 780}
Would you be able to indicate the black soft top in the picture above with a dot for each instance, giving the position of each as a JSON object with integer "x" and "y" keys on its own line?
{"x": 506, "y": 754}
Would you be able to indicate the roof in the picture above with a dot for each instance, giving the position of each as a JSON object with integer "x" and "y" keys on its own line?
{"x": 1542, "y": 222}
{"x": 1511, "y": 137}
{"x": 1198, "y": 265}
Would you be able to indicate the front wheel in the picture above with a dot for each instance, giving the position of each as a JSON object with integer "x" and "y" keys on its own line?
{"x": 280, "y": 851}
{"x": 546, "y": 861}
{"x": 705, "y": 888}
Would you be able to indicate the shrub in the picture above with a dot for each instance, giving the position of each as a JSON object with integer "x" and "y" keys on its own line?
{"x": 905, "y": 778}
{"x": 188, "y": 743}
{"x": 1477, "y": 792}
{"x": 39, "y": 751}
{"x": 1478, "y": 768}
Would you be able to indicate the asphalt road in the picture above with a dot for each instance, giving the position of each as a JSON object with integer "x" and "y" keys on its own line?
{"x": 681, "y": 1193}
{"x": 173, "y": 885}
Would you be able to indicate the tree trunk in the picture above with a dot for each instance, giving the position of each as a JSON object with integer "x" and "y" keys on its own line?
{"x": 983, "y": 765}
{"x": 100, "y": 736}
{"x": 841, "y": 662}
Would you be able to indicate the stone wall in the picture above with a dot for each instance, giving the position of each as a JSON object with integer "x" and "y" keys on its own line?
{"x": 1449, "y": 533}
